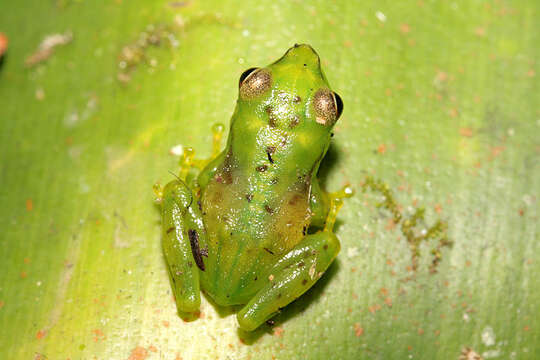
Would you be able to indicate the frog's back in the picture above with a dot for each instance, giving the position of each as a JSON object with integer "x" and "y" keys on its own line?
{"x": 251, "y": 222}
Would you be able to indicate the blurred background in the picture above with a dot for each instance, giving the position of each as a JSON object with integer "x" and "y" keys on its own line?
{"x": 439, "y": 137}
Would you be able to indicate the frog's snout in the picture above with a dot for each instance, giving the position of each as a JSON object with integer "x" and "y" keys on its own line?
{"x": 302, "y": 54}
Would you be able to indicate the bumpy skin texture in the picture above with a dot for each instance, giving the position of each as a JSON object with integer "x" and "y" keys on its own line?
{"x": 239, "y": 230}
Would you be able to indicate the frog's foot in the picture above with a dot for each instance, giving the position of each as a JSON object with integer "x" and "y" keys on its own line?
{"x": 188, "y": 161}
{"x": 184, "y": 239}
{"x": 325, "y": 206}
{"x": 336, "y": 202}
{"x": 292, "y": 276}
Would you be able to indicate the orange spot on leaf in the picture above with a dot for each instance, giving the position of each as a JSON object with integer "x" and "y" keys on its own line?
{"x": 381, "y": 149}
{"x": 278, "y": 331}
{"x": 41, "y": 334}
{"x": 358, "y": 330}
{"x": 466, "y": 132}
{"x": 404, "y": 28}
{"x": 3, "y": 43}
{"x": 29, "y": 205}
{"x": 480, "y": 31}
{"x": 139, "y": 353}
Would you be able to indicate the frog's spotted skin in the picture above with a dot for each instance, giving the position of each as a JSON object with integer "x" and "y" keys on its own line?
{"x": 249, "y": 209}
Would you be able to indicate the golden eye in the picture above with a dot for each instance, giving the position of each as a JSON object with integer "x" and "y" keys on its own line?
{"x": 328, "y": 106}
{"x": 244, "y": 75}
{"x": 254, "y": 82}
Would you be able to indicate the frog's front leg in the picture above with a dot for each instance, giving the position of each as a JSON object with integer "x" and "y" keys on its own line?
{"x": 189, "y": 162}
{"x": 296, "y": 272}
{"x": 184, "y": 243}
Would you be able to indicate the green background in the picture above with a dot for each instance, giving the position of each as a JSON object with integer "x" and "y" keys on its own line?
{"x": 441, "y": 103}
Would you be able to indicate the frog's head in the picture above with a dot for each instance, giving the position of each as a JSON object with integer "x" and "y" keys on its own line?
{"x": 291, "y": 94}
{"x": 285, "y": 114}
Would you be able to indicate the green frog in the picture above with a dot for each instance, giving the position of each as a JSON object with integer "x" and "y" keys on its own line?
{"x": 251, "y": 225}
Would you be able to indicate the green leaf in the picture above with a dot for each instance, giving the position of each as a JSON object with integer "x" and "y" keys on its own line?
{"x": 441, "y": 106}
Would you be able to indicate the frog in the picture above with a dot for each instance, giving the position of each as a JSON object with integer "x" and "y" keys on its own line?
{"x": 251, "y": 226}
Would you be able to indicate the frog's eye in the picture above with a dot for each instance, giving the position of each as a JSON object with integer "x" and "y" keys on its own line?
{"x": 339, "y": 105}
{"x": 254, "y": 82}
{"x": 328, "y": 106}
{"x": 244, "y": 75}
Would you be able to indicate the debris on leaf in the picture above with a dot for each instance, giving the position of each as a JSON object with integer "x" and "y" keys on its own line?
{"x": 412, "y": 226}
{"x": 47, "y": 46}
{"x": 469, "y": 354}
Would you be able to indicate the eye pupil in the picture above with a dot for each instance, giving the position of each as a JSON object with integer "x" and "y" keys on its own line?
{"x": 339, "y": 104}
{"x": 245, "y": 74}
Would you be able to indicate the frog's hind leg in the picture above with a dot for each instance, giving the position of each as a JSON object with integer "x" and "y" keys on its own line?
{"x": 294, "y": 273}
{"x": 184, "y": 243}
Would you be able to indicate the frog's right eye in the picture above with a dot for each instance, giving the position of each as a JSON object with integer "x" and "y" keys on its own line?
{"x": 254, "y": 82}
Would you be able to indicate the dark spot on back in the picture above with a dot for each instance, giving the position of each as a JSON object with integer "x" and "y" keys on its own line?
{"x": 284, "y": 140}
{"x": 274, "y": 181}
{"x": 268, "y": 209}
{"x": 249, "y": 197}
{"x": 325, "y": 247}
{"x": 261, "y": 168}
{"x": 294, "y": 121}
{"x": 304, "y": 282}
{"x": 297, "y": 99}
{"x": 304, "y": 229}
{"x": 170, "y": 229}
{"x": 295, "y": 199}
{"x": 227, "y": 176}
{"x": 271, "y": 117}
{"x": 269, "y": 151}
{"x": 269, "y": 251}
{"x": 270, "y": 157}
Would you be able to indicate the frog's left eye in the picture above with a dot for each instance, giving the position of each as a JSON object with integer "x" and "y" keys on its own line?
{"x": 254, "y": 82}
{"x": 245, "y": 74}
